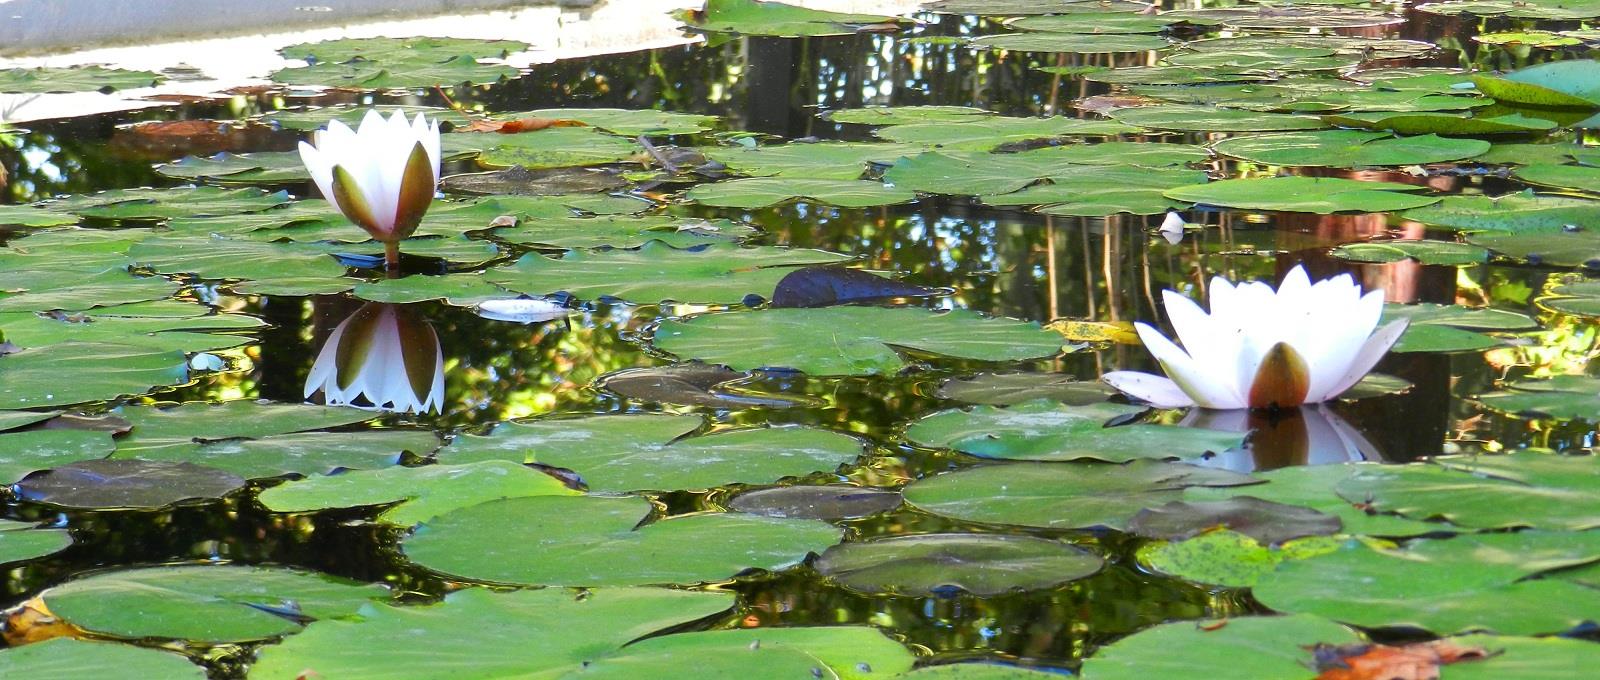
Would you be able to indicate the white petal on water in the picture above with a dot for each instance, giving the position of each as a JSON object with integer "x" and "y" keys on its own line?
{"x": 518, "y": 310}
{"x": 1152, "y": 389}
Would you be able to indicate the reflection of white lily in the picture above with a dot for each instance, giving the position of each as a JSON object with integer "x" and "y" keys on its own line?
{"x": 381, "y": 176}
{"x": 1309, "y": 435}
{"x": 384, "y": 357}
{"x": 1258, "y": 348}
{"x": 1171, "y": 228}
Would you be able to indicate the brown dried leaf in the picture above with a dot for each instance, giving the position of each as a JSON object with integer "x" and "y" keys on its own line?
{"x": 1419, "y": 661}
{"x": 31, "y": 622}
{"x": 511, "y": 127}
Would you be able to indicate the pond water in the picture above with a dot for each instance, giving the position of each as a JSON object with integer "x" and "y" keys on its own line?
{"x": 122, "y": 306}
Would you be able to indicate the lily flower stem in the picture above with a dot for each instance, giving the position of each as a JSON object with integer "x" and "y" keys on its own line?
{"x": 391, "y": 257}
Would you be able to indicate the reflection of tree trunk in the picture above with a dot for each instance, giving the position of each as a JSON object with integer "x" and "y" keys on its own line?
{"x": 770, "y": 82}
{"x": 285, "y": 358}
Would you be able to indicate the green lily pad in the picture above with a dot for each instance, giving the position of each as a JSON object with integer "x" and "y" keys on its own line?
{"x": 1096, "y": 191}
{"x": 1274, "y": 59}
{"x": 153, "y": 204}
{"x": 832, "y": 502}
{"x": 416, "y": 494}
{"x": 377, "y": 63}
{"x": 122, "y": 484}
{"x": 1452, "y": 328}
{"x": 820, "y": 160}
{"x": 1061, "y": 495}
{"x": 265, "y": 167}
{"x": 185, "y": 424}
{"x": 22, "y": 453}
{"x": 1312, "y": 486}
{"x": 1576, "y": 249}
{"x": 1320, "y": 195}
{"x": 1466, "y": 583}
{"x": 1012, "y": 8}
{"x": 760, "y": 192}
{"x": 1542, "y": 39}
{"x": 1578, "y": 299}
{"x": 73, "y": 659}
{"x": 1575, "y": 177}
{"x": 76, "y": 293}
{"x": 901, "y": 115}
{"x": 940, "y": 564}
{"x": 987, "y": 133}
{"x": 636, "y": 452}
{"x": 1046, "y": 430}
{"x": 462, "y": 290}
{"x": 1543, "y": 658}
{"x": 215, "y": 604}
{"x": 89, "y": 78}
{"x": 1300, "y": 16}
{"x": 76, "y": 372}
{"x": 621, "y": 231}
{"x": 1230, "y": 559}
{"x": 1076, "y": 43}
{"x": 596, "y": 541}
{"x": 11, "y": 420}
{"x": 1143, "y": 154}
{"x": 558, "y": 634}
{"x": 556, "y": 147}
{"x": 318, "y": 117}
{"x": 1489, "y": 492}
{"x": 1349, "y": 149}
{"x": 167, "y": 329}
{"x": 1170, "y": 75}
{"x": 627, "y": 122}
{"x": 1433, "y": 122}
{"x": 757, "y": 17}
{"x": 1244, "y": 647}
{"x": 850, "y": 340}
{"x": 1265, "y": 521}
{"x": 304, "y": 454}
{"x": 1004, "y": 389}
{"x": 1518, "y": 212}
{"x": 1521, "y": 9}
{"x": 657, "y": 272}
{"x": 224, "y": 258}
{"x": 1096, "y": 22}
{"x": 1369, "y": 48}
{"x": 1558, "y": 83}
{"x": 1211, "y": 119}
{"x": 438, "y": 49}
{"x": 1445, "y": 253}
{"x": 33, "y": 216}
{"x": 23, "y": 541}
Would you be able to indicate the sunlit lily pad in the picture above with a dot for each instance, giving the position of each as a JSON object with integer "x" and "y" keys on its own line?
{"x": 73, "y": 659}
{"x": 76, "y": 372}
{"x": 1576, "y": 177}
{"x": 637, "y": 452}
{"x": 1559, "y": 83}
{"x": 555, "y": 147}
{"x": 987, "y": 133}
{"x": 1240, "y": 647}
{"x": 462, "y": 290}
{"x": 1095, "y": 191}
{"x": 1575, "y": 249}
{"x": 1522, "y": 9}
{"x": 1003, "y": 389}
{"x": 628, "y": 122}
{"x": 1077, "y": 43}
{"x": 618, "y": 231}
{"x": 596, "y": 541}
{"x": 24, "y": 452}
{"x": 184, "y": 424}
{"x": 1173, "y": 75}
{"x": 1349, "y": 149}
{"x": 77, "y": 293}
{"x": 33, "y": 216}
{"x": 942, "y": 564}
{"x": 23, "y": 541}
{"x": 1143, "y": 154}
{"x": 318, "y": 117}
{"x": 1030, "y": 7}
{"x": 1273, "y": 59}
{"x": 415, "y": 493}
{"x": 1312, "y": 486}
{"x": 1513, "y": 490}
{"x": 194, "y": 331}
{"x": 1096, "y": 22}
{"x": 1445, "y": 253}
{"x": 1321, "y": 195}
{"x": 221, "y": 258}
{"x": 1059, "y": 495}
{"x": 1227, "y": 558}
{"x": 760, "y": 192}
{"x": 1544, "y": 39}
{"x": 115, "y": 484}
{"x": 150, "y": 204}
{"x": 265, "y": 167}
{"x": 1517, "y": 212}
{"x": 759, "y": 17}
{"x": 559, "y": 633}
{"x": 977, "y": 671}
{"x": 89, "y": 78}
{"x": 378, "y": 63}
{"x": 1046, "y": 430}
{"x": 1302, "y": 16}
{"x": 850, "y": 340}
{"x": 657, "y": 272}
{"x": 1452, "y": 328}
{"x": 1211, "y": 119}
{"x": 1467, "y": 583}
{"x": 215, "y": 604}
{"x": 901, "y": 115}
{"x": 304, "y": 454}
{"x": 829, "y": 160}
{"x": 1580, "y": 298}
{"x": 1432, "y": 122}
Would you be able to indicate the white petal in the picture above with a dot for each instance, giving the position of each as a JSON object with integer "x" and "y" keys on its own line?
{"x": 1344, "y": 330}
{"x": 1183, "y": 371}
{"x": 1149, "y": 388}
{"x": 321, "y": 168}
{"x": 1213, "y": 348}
{"x": 1371, "y": 351}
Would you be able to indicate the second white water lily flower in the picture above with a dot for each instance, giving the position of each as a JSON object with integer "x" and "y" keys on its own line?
{"x": 381, "y": 176}
{"x": 1258, "y": 348}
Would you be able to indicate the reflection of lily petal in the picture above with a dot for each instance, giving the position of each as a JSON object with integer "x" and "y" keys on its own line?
{"x": 383, "y": 356}
{"x": 1309, "y": 435}
{"x": 1303, "y": 343}
{"x": 1171, "y": 228}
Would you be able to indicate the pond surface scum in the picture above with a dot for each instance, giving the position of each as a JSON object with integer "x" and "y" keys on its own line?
{"x": 772, "y": 348}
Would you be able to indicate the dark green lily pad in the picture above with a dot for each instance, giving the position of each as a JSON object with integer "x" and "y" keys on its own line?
{"x": 114, "y": 484}
{"x": 1445, "y": 253}
{"x": 618, "y": 231}
{"x": 1576, "y": 249}
{"x": 627, "y": 122}
{"x": 760, "y": 192}
{"x": 415, "y": 494}
{"x": 1467, "y": 583}
{"x": 1096, "y": 22}
{"x": 73, "y": 659}
{"x": 757, "y": 17}
{"x": 76, "y": 372}
{"x": 1143, "y": 154}
{"x": 77, "y": 293}
{"x": 89, "y": 78}
{"x": 1312, "y": 487}
{"x": 1575, "y": 177}
{"x": 1349, "y": 149}
{"x": 1299, "y": 16}
{"x": 215, "y": 604}
{"x": 1096, "y": 191}
{"x": 23, "y": 541}
{"x": 638, "y": 452}
{"x": 11, "y": 420}
{"x": 1519, "y": 212}
{"x": 1521, "y": 9}
{"x": 318, "y": 117}
{"x": 1211, "y": 119}
{"x": 266, "y": 167}
{"x": 1451, "y": 328}
{"x": 941, "y": 564}
{"x": 987, "y": 133}
{"x": 658, "y": 272}
{"x": 596, "y": 541}
{"x": 901, "y": 115}
{"x": 223, "y": 258}
{"x": 1046, "y": 430}
{"x": 22, "y": 453}
{"x": 1558, "y": 83}
{"x": 1230, "y": 559}
{"x": 821, "y": 160}
{"x": 850, "y": 340}
{"x": 33, "y": 216}
{"x": 167, "y": 329}
{"x": 461, "y": 290}
{"x": 1241, "y": 647}
{"x": 1076, "y": 43}
{"x": 1525, "y": 489}
{"x": 1171, "y": 75}
{"x": 1432, "y": 122}
{"x": 152, "y": 204}
{"x": 816, "y": 502}
{"x": 1581, "y": 298}
{"x": 1004, "y": 389}
{"x": 185, "y": 424}
{"x": 1321, "y": 195}
{"x": 1265, "y": 521}
{"x": 304, "y": 454}
{"x": 1061, "y": 495}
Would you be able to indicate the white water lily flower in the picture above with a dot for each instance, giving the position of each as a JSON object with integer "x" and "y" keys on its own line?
{"x": 1259, "y": 348}
{"x": 383, "y": 357}
{"x": 381, "y": 176}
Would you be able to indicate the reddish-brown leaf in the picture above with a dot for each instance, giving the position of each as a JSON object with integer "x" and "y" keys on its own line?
{"x": 511, "y": 127}
{"x": 1419, "y": 661}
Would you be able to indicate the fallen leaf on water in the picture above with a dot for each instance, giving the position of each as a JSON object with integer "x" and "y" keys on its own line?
{"x": 511, "y": 127}
{"x": 31, "y": 622}
{"x": 1120, "y": 332}
{"x": 1420, "y": 661}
